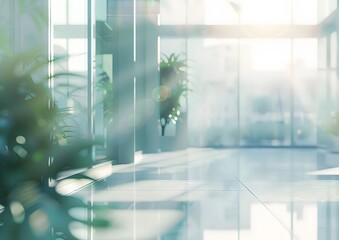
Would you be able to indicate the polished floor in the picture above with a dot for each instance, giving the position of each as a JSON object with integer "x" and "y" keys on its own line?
{"x": 218, "y": 194}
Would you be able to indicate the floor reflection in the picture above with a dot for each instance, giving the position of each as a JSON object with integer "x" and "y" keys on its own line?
{"x": 212, "y": 194}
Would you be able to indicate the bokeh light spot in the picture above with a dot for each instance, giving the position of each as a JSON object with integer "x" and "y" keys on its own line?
{"x": 39, "y": 222}
{"x": 18, "y": 212}
{"x": 20, "y": 139}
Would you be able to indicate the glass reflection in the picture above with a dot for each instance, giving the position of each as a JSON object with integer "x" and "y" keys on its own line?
{"x": 222, "y": 194}
{"x": 252, "y": 12}
{"x": 70, "y": 46}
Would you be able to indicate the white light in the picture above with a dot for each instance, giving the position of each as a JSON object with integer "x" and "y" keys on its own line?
{"x": 20, "y": 139}
{"x": 20, "y": 151}
{"x": 39, "y": 222}
{"x": 18, "y": 212}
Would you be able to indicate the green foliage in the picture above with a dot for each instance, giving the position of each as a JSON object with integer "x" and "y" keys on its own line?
{"x": 173, "y": 86}
{"x": 35, "y": 11}
{"x": 32, "y": 153}
{"x": 105, "y": 86}
{"x": 4, "y": 40}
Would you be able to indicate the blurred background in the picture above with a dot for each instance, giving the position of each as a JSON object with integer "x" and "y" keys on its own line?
{"x": 246, "y": 75}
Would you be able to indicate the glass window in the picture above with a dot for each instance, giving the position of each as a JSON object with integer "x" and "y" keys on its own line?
{"x": 60, "y": 92}
{"x": 60, "y": 9}
{"x": 77, "y": 12}
{"x": 333, "y": 87}
{"x": 208, "y": 12}
{"x": 322, "y": 9}
{"x": 212, "y": 104}
{"x": 322, "y": 53}
{"x": 267, "y": 55}
{"x": 326, "y": 7}
{"x": 172, "y": 12}
{"x": 220, "y": 12}
{"x": 78, "y": 56}
{"x": 101, "y": 10}
{"x": 305, "y": 12}
{"x": 71, "y": 92}
{"x": 332, "y": 5}
{"x": 265, "y": 12}
{"x": 305, "y": 55}
{"x": 104, "y": 99}
{"x": 333, "y": 50}
{"x": 322, "y": 107}
{"x": 265, "y": 92}
{"x": 195, "y": 11}
{"x": 305, "y": 77}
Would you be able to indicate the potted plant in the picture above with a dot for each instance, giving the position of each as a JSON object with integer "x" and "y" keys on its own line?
{"x": 173, "y": 87}
{"x": 32, "y": 153}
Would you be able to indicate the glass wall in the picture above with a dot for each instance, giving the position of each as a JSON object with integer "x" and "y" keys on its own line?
{"x": 305, "y": 12}
{"x": 328, "y": 90}
{"x": 70, "y": 44}
{"x": 249, "y": 92}
{"x": 325, "y": 8}
{"x": 103, "y": 79}
{"x": 212, "y": 104}
{"x": 249, "y": 102}
{"x": 94, "y": 42}
{"x": 305, "y": 77}
{"x": 224, "y": 12}
{"x": 84, "y": 94}
{"x": 265, "y": 92}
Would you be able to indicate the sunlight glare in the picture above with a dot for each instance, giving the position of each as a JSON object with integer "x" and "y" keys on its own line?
{"x": 219, "y": 12}
{"x": 265, "y": 12}
{"x": 268, "y": 55}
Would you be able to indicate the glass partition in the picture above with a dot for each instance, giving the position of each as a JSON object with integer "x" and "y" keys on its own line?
{"x": 248, "y": 101}
{"x": 84, "y": 34}
{"x": 325, "y": 8}
{"x": 212, "y": 104}
{"x": 246, "y": 92}
{"x": 173, "y": 12}
{"x": 305, "y": 12}
{"x": 252, "y": 12}
{"x": 70, "y": 45}
{"x": 103, "y": 79}
{"x": 305, "y": 61}
{"x": 265, "y": 12}
{"x": 265, "y": 92}
{"x": 327, "y": 90}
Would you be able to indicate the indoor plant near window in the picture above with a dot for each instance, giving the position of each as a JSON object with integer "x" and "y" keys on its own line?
{"x": 32, "y": 154}
{"x": 173, "y": 87}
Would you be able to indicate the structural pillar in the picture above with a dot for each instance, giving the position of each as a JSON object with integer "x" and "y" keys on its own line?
{"x": 123, "y": 132}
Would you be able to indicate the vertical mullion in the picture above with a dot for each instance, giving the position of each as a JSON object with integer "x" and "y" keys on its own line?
{"x": 12, "y": 26}
{"x": 50, "y": 50}
{"x": 90, "y": 75}
{"x": 292, "y": 143}
{"x": 292, "y": 95}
